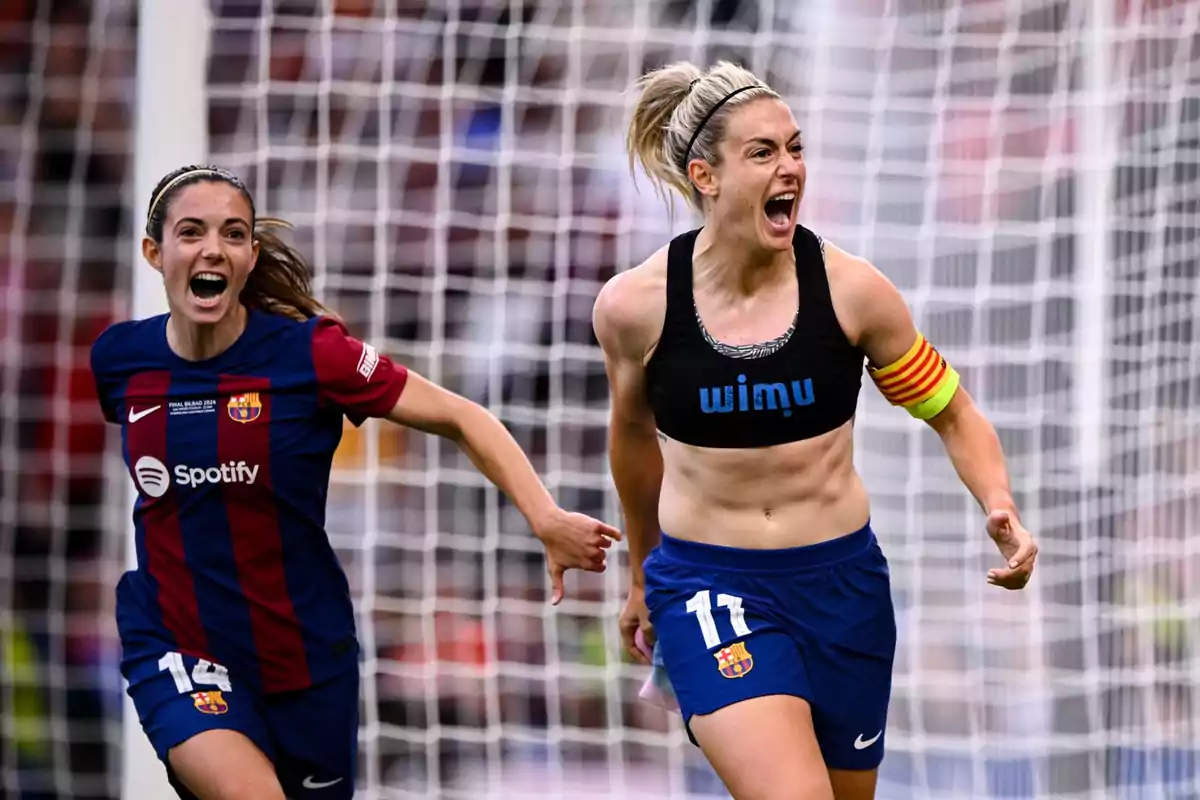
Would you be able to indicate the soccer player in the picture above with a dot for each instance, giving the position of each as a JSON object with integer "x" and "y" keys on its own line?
{"x": 237, "y": 628}
{"x": 734, "y": 357}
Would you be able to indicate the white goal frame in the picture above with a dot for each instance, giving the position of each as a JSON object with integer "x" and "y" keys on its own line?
{"x": 171, "y": 129}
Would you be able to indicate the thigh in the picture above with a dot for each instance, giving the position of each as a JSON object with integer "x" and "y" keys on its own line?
{"x": 316, "y": 738}
{"x": 222, "y": 765}
{"x": 765, "y": 748}
{"x": 719, "y": 642}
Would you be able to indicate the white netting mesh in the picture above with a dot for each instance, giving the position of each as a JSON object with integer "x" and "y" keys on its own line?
{"x": 456, "y": 169}
{"x": 1028, "y": 172}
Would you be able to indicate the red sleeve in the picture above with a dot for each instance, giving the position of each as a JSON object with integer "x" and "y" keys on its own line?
{"x": 353, "y": 376}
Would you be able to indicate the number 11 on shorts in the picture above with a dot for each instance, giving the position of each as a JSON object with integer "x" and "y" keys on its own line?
{"x": 701, "y": 605}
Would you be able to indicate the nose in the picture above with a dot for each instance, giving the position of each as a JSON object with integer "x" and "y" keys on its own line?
{"x": 791, "y": 166}
{"x": 212, "y": 250}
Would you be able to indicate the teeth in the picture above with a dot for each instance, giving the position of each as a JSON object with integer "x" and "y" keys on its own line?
{"x": 209, "y": 276}
{"x": 785, "y": 196}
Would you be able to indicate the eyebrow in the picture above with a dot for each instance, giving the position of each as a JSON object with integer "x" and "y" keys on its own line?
{"x": 200, "y": 222}
{"x": 768, "y": 141}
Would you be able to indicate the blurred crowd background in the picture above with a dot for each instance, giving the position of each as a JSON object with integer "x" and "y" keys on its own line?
{"x": 455, "y": 169}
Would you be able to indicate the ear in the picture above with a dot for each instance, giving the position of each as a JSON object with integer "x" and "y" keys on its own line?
{"x": 152, "y": 253}
{"x": 255, "y": 247}
{"x": 704, "y": 178}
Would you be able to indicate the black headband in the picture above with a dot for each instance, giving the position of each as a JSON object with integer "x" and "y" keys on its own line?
{"x": 683, "y": 164}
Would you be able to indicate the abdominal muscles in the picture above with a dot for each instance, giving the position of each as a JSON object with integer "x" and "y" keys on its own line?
{"x": 789, "y": 495}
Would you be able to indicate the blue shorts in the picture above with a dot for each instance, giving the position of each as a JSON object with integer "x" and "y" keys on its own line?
{"x": 816, "y": 622}
{"x": 311, "y": 735}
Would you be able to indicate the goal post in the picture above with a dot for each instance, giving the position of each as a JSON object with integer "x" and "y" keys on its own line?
{"x": 1097, "y": 148}
{"x": 170, "y": 130}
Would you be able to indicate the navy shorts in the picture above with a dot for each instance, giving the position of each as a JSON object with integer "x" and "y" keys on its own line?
{"x": 310, "y": 735}
{"x": 816, "y": 622}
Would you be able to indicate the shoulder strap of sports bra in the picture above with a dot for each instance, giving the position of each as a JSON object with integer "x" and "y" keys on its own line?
{"x": 810, "y": 267}
{"x": 813, "y": 276}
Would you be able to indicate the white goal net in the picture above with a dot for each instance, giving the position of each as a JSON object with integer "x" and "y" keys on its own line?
{"x": 1026, "y": 171}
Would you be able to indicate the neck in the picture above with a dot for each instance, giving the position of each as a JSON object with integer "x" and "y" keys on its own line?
{"x": 726, "y": 261}
{"x": 193, "y": 342}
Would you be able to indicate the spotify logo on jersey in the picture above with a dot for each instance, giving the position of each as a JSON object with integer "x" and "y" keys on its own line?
{"x": 152, "y": 476}
{"x": 154, "y": 479}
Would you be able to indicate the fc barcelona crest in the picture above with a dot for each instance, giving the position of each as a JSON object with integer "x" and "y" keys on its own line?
{"x": 245, "y": 407}
{"x": 210, "y": 702}
{"x": 734, "y": 661}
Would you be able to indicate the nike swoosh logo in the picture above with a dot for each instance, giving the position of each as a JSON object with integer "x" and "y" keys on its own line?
{"x": 309, "y": 783}
{"x": 859, "y": 744}
{"x": 134, "y": 416}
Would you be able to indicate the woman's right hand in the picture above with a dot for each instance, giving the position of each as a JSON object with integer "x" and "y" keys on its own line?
{"x": 635, "y": 617}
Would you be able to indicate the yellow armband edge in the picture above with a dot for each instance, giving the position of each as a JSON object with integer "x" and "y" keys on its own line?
{"x": 932, "y": 406}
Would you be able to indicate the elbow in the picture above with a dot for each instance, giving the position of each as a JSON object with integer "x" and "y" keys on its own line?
{"x": 957, "y": 416}
{"x": 632, "y": 427}
{"x": 455, "y": 420}
{"x": 963, "y": 427}
{"x": 635, "y": 441}
{"x": 464, "y": 418}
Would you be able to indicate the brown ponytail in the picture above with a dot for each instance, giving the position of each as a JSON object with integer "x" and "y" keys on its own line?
{"x": 281, "y": 281}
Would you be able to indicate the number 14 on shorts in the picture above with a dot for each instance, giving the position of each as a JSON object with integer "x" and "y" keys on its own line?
{"x": 205, "y": 673}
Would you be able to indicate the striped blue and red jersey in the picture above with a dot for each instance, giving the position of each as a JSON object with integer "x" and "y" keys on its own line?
{"x": 231, "y": 459}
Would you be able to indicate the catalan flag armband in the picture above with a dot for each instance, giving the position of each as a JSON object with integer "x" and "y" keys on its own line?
{"x": 920, "y": 381}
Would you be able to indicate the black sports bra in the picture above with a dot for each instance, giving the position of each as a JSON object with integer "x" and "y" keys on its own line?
{"x": 800, "y": 385}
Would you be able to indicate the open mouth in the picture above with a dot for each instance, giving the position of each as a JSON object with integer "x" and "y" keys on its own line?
{"x": 779, "y": 209}
{"x": 207, "y": 288}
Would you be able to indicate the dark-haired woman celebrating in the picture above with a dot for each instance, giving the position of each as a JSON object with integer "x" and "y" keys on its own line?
{"x": 237, "y": 629}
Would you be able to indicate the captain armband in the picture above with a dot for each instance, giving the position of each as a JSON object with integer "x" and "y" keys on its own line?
{"x": 920, "y": 381}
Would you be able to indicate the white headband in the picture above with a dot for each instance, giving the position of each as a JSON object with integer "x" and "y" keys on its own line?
{"x": 173, "y": 182}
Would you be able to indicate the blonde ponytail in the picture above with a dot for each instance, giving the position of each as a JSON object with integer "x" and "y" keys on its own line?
{"x": 681, "y": 104}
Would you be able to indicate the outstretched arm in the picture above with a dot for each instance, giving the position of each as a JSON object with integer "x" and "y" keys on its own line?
{"x": 360, "y": 382}
{"x": 912, "y": 374}
{"x": 571, "y": 540}
{"x": 430, "y": 408}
